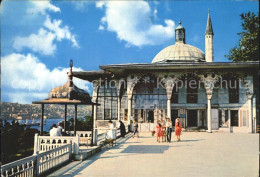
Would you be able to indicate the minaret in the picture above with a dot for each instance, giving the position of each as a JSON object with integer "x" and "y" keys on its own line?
{"x": 209, "y": 40}
{"x": 180, "y": 33}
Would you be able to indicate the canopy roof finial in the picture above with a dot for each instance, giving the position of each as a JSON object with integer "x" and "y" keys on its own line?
{"x": 71, "y": 64}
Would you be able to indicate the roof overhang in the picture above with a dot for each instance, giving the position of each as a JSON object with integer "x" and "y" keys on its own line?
{"x": 124, "y": 69}
{"x": 91, "y": 75}
{"x": 120, "y": 68}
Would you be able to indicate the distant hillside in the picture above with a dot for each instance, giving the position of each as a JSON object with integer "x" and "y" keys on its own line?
{"x": 30, "y": 111}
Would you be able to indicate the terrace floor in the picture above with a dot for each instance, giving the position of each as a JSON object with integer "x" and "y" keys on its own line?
{"x": 198, "y": 154}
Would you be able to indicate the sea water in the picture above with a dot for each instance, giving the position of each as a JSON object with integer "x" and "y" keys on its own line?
{"x": 47, "y": 124}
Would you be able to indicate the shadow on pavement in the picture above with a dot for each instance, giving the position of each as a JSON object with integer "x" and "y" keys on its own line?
{"x": 191, "y": 140}
{"x": 75, "y": 167}
{"x": 146, "y": 149}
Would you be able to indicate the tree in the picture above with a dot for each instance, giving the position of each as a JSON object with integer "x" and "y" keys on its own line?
{"x": 83, "y": 124}
{"x": 17, "y": 141}
{"x": 248, "y": 47}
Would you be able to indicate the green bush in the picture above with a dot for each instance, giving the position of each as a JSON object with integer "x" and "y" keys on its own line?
{"x": 16, "y": 141}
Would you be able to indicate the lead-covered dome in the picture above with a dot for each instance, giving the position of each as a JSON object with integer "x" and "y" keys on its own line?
{"x": 179, "y": 52}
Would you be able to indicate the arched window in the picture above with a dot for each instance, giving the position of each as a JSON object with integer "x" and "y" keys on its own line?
{"x": 107, "y": 98}
{"x": 149, "y": 101}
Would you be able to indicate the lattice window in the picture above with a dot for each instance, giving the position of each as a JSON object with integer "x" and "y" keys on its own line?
{"x": 174, "y": 98}
{"x": 192, "y": 91}
{"x": 233, "y": 88}
{"x": 108, "y": 100}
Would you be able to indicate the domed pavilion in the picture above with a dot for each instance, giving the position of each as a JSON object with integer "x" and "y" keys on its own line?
{"x": 181, "y": 81}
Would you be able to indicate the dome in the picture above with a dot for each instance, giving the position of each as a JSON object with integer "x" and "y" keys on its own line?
{"x": 179, "y": 52}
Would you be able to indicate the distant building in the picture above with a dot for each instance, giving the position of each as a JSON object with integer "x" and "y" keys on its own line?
{"x": 182, "y": 81}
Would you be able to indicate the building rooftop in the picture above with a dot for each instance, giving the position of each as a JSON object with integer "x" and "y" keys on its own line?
{"x": 179, "y": 52}
{"x": 108, "y": 71}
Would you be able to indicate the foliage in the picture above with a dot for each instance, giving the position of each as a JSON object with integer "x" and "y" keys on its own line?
{"x": 83, "y": 124}
{"x": 16, "y": 141}
{"x": 248, "y": 47}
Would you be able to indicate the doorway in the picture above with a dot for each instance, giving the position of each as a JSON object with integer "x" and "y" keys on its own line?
{"x": 192, "y": 118}
{"x": 234, "y": 118}
{"x": 151, "y": 116}
{"x": 174, "y": 114}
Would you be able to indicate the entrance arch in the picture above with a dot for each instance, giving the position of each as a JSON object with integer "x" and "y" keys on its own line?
{"x": 149, "y": 100}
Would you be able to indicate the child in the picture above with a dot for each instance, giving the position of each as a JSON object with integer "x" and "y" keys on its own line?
{"x": 163, "y": 131}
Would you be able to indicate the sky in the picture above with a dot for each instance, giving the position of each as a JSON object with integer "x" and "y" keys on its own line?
{"x": 38, "y": 38}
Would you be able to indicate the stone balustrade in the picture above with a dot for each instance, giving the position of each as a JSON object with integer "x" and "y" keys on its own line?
{"x": 102, "y": 136}
{"x": 53, "y": 158}
{"x": 51, "y": 152}
{"x": 25, "y": 167}
{"x": 47, "y": 143}
{"x": 38, "y": 164}
{"x": 85, "y": 137}
{"x": 81, "y": 133}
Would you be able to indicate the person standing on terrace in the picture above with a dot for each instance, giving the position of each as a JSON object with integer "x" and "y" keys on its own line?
{"x": 178, "y": 129}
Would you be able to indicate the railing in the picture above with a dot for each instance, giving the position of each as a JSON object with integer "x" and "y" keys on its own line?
{"x": 146, "y": 127}
{"x": 47, "y": 143}
{"x": 53, "y": 158}
{"x": 85, "y": 137}
{"x": 80, "y": 133}
{"x": 22, "y": 167}
{"x": 38, "y": 164}
{"x": 102, "y": 136}
{"x": 49, "y": 152}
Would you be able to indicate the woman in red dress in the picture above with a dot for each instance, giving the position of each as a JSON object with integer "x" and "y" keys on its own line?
{"x": 158, "y": 131}
{"x": 178, "y": 129}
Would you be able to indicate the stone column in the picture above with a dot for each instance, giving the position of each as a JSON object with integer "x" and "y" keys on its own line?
{"x": 95, "y": 115}
{"x": 254, "y": 113}
{"x": 229, "y": 121}
{"x": 209, "y": 96}
{"x": 250, "y": 112}
{"x": 94, "y": 141}
{"x": 75, "y": 119}
{"x": 95, "y": 112}
{"x": 209, "y": 81}
{"x": 169, "y": 84}
{"x": 129, "y": 105}
{"x": 118, "y": 108}
{"x": 169, "y": 108}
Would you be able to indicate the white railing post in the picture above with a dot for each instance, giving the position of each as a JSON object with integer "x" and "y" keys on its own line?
{"x": 95, "y": 133}
{"x": 36, "y": 144}
{"x": 37, "y": 164}
{"x": 76, "y": 144}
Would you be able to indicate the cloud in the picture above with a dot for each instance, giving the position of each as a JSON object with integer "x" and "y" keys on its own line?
{"x": 42, "y": 6}
{"x": 61, "y": 33}
{"x": 101, "y": 27}
{"x": 131, "y": 20}
{"x": 80, "y": 5}
{"x": 26, "y": 74}
{"x": 25, "y": 97}
{"x": 43, "y": 41}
